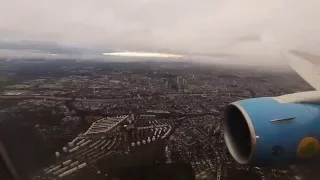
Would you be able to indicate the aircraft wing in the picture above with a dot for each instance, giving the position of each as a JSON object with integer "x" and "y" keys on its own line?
{"x": 306, "y": 65}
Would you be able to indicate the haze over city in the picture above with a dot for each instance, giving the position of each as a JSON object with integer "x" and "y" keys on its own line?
{"x": 236, "y": 32}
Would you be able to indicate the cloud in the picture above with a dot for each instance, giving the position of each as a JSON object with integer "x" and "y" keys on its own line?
{"x": 247, "y": 28}
{"x": 248, "y": 38}
{"x": 42, "y": 46}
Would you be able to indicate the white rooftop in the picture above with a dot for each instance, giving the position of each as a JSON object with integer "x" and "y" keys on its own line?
{"x": 105, "y": 124}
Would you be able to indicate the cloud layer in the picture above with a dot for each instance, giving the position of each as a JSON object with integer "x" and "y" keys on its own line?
{"x": 255, "y": 28}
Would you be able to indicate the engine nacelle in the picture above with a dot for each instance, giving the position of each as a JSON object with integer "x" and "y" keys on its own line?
{"x": 267, "y": 131}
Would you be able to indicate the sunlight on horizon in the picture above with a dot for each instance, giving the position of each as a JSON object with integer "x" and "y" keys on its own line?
{"x": 143, "y": 54}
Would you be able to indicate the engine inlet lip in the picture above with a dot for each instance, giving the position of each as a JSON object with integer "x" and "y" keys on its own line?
{"x": 251, "y": 131}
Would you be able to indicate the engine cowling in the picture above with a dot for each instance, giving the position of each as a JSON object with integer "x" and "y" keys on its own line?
{"x": 266, "y": 131}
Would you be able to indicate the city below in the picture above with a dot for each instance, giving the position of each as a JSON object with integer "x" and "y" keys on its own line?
{"x": 80, "y": 120}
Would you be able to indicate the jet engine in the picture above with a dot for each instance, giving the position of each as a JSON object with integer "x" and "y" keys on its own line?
{"x": 274, "y": 130}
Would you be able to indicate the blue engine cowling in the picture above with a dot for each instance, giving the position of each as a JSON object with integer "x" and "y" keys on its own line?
{"x": 263, "y": 131}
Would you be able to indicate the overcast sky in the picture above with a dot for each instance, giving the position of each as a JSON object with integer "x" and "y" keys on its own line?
{"x": 255, "y": 28}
